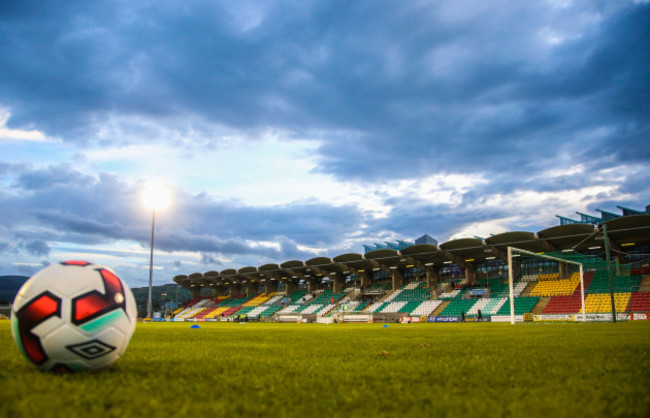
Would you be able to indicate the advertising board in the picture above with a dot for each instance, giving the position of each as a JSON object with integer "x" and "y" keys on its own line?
{"x": 410, "y": 319}
{"x": 506, "y": 318}
{"x": 443, "y": 319}
{"x": 546, "y": 318}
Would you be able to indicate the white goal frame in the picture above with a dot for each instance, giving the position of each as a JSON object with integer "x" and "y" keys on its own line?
{"x": 548, "y": 257}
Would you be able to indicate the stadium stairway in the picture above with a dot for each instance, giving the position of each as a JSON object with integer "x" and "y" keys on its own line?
{"x": 644, "y": 284}
{"x": 541, "y": 305}
{"x": 440, "y": 308}
{"x": 525, "y": 288}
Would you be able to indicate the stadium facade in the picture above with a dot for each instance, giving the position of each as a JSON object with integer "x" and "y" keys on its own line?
{"x": 432, "y": 269}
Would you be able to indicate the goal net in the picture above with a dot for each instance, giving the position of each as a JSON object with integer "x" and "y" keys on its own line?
{"x": 535, "y": 280}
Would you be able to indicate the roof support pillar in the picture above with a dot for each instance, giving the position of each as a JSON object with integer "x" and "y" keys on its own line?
{"x": 398, "y": 279}
{"x": 235, "y": 289}
{"x": 313, "y": 284}
{"x": 251, "y": 289}
{"x": 470, "y": 273}
{"x": 564, "y": 271}
{"x": 338, "y": 281}
{"x": 619, "y": 257}
{"x": 292, "y": 286}
{"x": 366, "y": 279}
{"x": 271, "y": 286}
{"x": 196, "y": 292}
{"x": 432, "y": 278}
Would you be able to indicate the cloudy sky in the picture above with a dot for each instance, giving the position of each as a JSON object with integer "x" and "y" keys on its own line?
{"x": 287, "y": 130}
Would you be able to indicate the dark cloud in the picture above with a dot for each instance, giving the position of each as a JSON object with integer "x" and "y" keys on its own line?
{"x": 207, "y": 259}
{"x": 95, "y": 211}
{"x": 51, "y": 176}
{"x": 516, "y": 93}
{"x": 391, "y": 91}
{"x": 38, "y": 248}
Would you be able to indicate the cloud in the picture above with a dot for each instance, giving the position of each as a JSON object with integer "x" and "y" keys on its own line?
{"x": 38, "y": 248}
{"x": 52, "y": 176}
{"x": 412, "y": 88}
{"x": 290, "y": 131}
{"x": 17, "y": 134}
{"x": 58, "y": 204}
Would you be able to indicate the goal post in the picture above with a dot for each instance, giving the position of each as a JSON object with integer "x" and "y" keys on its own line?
{"x": 514, "y": 253}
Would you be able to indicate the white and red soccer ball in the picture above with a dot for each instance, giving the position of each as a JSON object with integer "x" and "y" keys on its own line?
{"x": 73, "y": 316}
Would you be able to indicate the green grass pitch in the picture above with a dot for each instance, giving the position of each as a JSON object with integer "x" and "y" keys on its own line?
{"x": 304, "y": 370}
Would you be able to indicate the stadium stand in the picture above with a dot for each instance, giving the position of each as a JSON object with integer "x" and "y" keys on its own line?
{"x": 211, "y": 306}
{"x": 639, "y": 302}
{"x": 194, "y": 309}
{"x": 563, "y": 305}
{"x": 321, "y": 304}
{"x": 457, "y": 307}
{"x": 602, "y": 302}
{"x": 600, "y": 283}
{"x": 551, "y": 285}
{"x": 411, "y": 299}
{"x": 391, "y": 280}
{"x": 523, "y": 305}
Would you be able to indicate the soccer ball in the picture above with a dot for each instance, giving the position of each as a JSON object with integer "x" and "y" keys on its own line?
{"x": 73, "y": 316}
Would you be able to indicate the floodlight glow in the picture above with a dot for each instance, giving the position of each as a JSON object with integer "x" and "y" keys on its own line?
{"x": 156, "y": 196}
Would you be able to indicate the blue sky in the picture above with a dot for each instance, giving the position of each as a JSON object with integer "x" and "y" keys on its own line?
{"x": 287, "y": 130}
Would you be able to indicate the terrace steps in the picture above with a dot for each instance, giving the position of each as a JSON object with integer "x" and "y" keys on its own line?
{"x": 644, "y": 285}
{"x": 527, "y": 290}
{"x": 541, "y": 304}
{"x": 440, "y": 308}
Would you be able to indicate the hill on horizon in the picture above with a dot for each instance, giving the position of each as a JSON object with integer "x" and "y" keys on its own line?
{"x": 9, "y": 286}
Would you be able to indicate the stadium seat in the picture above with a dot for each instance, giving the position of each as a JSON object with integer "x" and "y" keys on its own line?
{"x": 522, "y": 305}
{"x": 639, "y": 302}
{"x": 602, "y": 302}
{"x": 620, "y": 284}
{"x": 550, "y": 285}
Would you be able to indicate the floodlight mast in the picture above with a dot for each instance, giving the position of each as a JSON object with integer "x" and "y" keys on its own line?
{"x": 155, "y": 197}
{"x": 153, "y": 227}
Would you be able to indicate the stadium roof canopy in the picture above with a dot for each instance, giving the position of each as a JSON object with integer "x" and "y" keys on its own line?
{"x": 634, "y": 229}
{"x": 355, "y": 261}
{"x": 387, "y": 258}
{"x": 567, "y": 236}
{"x": 426, "y": 254}
{"x": 524, "y": 240}
{"x": 623, "y": 231}
{"x": 466, "y": 250}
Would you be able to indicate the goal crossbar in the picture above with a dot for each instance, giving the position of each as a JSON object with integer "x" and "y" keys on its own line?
{"x": 548, "y": 257}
